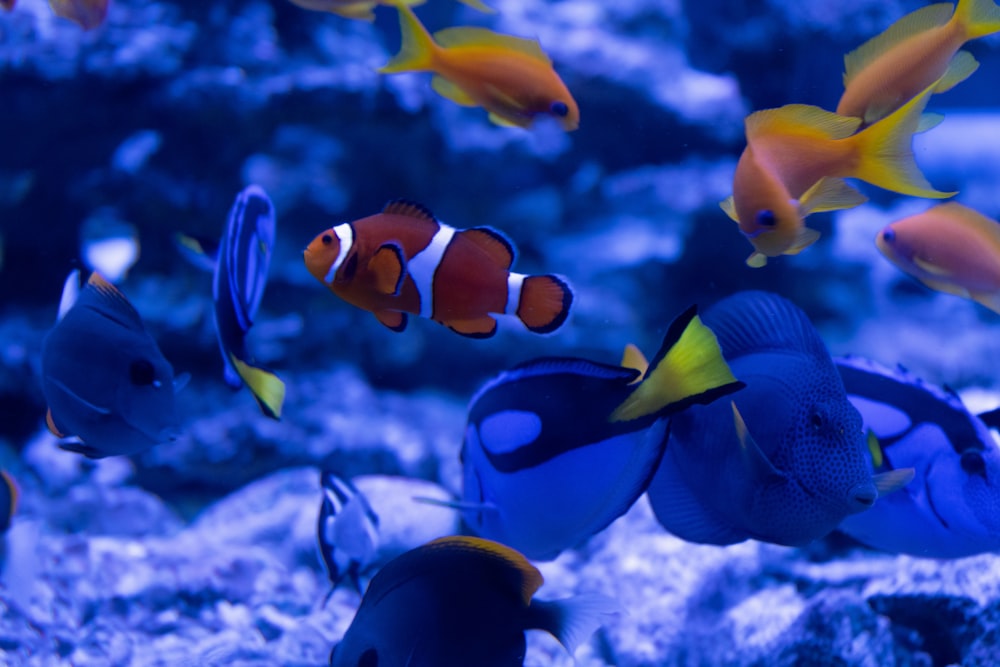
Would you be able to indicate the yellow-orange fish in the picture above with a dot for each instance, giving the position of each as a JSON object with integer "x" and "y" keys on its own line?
{"x": 950, "y": 248}
{"x": 510, "y": 77}
{"x": 364, "y": 9}
{"x": 88, "y": 14}
{"x": 917, "y": 50}
{"x": 796, "y": 159}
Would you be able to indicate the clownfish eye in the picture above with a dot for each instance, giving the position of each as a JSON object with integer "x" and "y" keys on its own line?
{"x": 327, "y": 239}
{"x": 368, "y": 659}
{"x": 889, "y": 235}
{"x": 973, "y": 463}
{"x": 141, "y": 372}
{"x": 766, "y": 218}
{"x": 351, "y": 267}
{"x": 559, "y": 109}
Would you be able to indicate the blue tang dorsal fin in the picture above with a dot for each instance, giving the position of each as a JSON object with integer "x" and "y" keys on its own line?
{"x": 754, "y": 321}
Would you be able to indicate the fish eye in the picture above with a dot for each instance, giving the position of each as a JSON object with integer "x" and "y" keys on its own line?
{"x": 559, "y": 109}
{"x": 351, "y": 267}
{"x": 368, "y": 659}
{"x": 816, "y": 420}
{"x": 327, "y": 239}
{"x": 889, "y": 235}
{"x": 973, "y": 463}
{"x": 766, "y": 218}
{"x": 141, "y": 372}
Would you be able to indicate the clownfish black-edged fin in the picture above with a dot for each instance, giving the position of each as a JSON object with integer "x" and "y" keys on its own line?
{"x": 393, "y": 319}
{"x": 51, "y": 425}
{"x": 483, "y": 327}
{"x": 688, "y": 369}
{"x": 545, "y": 303}
{"x": 494, "y": 243}
{"x": 266, "y": 387}
{"x": 410, "y": 209}
{"x": 389, "y": 267}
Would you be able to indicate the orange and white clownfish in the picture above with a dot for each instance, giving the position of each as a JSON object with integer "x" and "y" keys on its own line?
{"x": 402, "y": 260}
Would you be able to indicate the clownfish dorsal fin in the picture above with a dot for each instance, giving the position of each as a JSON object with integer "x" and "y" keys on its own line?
{"x": 389, "y": 268}
{"x": 483, "y": 37}
{"x": 494, "y": 243}
{"x": 521, "y": 574}
{"x": 392, "y": 319}
{"x": 409, "y": 209}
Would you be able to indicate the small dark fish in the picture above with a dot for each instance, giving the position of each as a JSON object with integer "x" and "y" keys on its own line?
{"x": 457, "y": 602}
{"x": 347, "y": 531}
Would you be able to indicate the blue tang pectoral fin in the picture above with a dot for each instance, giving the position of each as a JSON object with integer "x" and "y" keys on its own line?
{"x": 757, "y": 464}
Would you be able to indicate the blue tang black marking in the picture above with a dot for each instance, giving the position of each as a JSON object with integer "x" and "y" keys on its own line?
{"x": 347, "y": 531}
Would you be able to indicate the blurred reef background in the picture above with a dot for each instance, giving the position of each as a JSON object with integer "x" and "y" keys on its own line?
{"x": 202, "y": 551}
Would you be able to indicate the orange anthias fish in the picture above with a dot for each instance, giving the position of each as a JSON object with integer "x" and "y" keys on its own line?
{"x": 403, "y": 260}
{"x": 88, "y": 14}
{"x": 510, "y": 77}
{"x": 364, "y": 9}
{"x": 950, "y": 248}
{"x": 917, "y": 50}
{"x": 796, "y": 159}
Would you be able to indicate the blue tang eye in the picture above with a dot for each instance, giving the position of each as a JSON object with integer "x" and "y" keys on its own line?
{"x": 559, "y": 109}
{"x": 973, "y": 463}
{"x": 369, "y": 658}
{"x": 766, "y": 218}
{"x": 889, "y": 235}
{"x": 141, "y": 372}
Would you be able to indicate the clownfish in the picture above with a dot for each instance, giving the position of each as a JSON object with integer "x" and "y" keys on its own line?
{"x": 88, "y": 14}
{"x": 403, "y": 260}
{"x": 950, "y": 248}
{"x": 918, "y": 50}
{"x": 510, "y": 77}
{"x": 796, "y": 159}
{"x": 363, "y": 9}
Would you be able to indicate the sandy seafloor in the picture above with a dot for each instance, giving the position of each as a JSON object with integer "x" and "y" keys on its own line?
{"x": 202, "y": 551}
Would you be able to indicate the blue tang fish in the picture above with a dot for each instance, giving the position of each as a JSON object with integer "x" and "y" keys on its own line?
{"x": 104, "y": 378}
{"x": 785, "y": 460}
{"x": 457, "y": 602}
{"x": 347, "y": 531}
{"x": 952, "y": 507}
{"x": 558, "y": 448}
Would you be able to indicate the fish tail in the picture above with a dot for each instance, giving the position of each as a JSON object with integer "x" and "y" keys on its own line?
{"x": 885, "y": 153}
{"x": 267, "y": 388}
{"x": 572, "y": 620}
{"x": 688, "y": 369}
{"x": 544, "y": 301}
{"x": 417, "y": 50}
{"x": 978, "y": 17}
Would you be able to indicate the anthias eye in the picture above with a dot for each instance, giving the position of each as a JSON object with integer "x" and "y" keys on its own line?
{"x": 766, "y": 218}
{"x": 559, "y": 109}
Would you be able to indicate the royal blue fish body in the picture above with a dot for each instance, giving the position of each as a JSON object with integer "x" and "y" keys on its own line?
{"x": 808, "y": 470}
{"x": 952, "y": 507}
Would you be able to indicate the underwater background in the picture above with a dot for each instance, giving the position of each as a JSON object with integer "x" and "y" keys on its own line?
{"x": 203, "y": 550}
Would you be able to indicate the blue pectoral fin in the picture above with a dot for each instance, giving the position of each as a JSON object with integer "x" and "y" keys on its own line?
{"x": 887, "y": 482}
{"x": 80, "y": 401}
{"x": 457, "y": 505}
{"x": 758, "y": 465}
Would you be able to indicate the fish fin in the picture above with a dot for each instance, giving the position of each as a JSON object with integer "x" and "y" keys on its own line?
{"x": 885, "y": 153}
{"x": 687, "y": 369}
{"x": 199, "y": 253}
{"x": 51, "y": 425}
{"x": 409, "y": 209}
{"x": 450, "y": 90}
{"x": 457, "y": 505}
{"x": 572, "y": 620}
{"x": 978, "y": 17}
{"x": 114, "y": 303}
{"x": 893, "y": 480}
{"x": 358, "y": 10}
{"x": 991, "y": 418}
{"x": 417, "y": 50}
{"x": 875, "y": 449}
{"x": 473, "y": 36}
{"x": 729, "y": 206}
{"x": 990, "y": 300}
{"x": 961, "y": 67}
{"x": 544, "y": 303}
{"x": 477, "y": 4}
{"x": 495, "y": 243}
{"x": 800, "y": 119}
{"x": 393, "y": 319}
{"x": 70, "y": 294}
{"x": 76, "y": 398}
{"x": 803, "y": 239}
{"x": 521, "y": 573}
{"x": 78, "y": 447}
{"x": 912, "y": 24}
{"x": 930, "y": 267}
{"x": 753, "y": 321}
{"x": 181, "y": 381}
{"x": 389, "y": 268}
{"x": 946, "y": 287}
{"x": 502, "y": 122}
{"x": 481, "y": 327}
{"x": 760, "y": 467}
{"x": 757, "y": 260}
{"x": 633, "y": 357}
{"x": 928, "y": 121}
{"x": 829, "y": 194}
{"x": 267, "y": 388}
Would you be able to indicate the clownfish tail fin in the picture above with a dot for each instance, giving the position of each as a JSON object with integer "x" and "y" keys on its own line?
{"x": 541, "y": 302}
{"x": 978, "y": 17}
{"x": 417, "y": 49}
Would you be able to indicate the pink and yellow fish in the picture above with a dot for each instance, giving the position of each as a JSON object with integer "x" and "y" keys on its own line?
{"x": 364, "y": 9}
{"x": 88, "y": 14}
{"x": 796, "y": 159}
{"x": 510, "y": 77}
{"x": 918, "y": 50}
{"x": 950, "y": 248}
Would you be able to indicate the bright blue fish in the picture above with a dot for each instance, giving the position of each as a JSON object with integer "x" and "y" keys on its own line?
{"x": 952, "y": 507}
{"x": 347, "y": 531}
{"x": 556, "y": 449}
{"x": 785, "y": 461}
{"x": 458, "y": 602}
{"x": 104, "y": 378}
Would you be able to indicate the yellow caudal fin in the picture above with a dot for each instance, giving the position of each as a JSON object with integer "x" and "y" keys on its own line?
{"x": 267, "y": 389}
{"x": 633, "y": 358}
{"x": 885, "y": 153}
{"x": 417, "y": 50}
{"x": 688, "y": 369}
{"x": 978, "y": 17}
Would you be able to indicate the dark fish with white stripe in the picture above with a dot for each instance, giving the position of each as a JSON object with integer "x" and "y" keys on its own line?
{"x": 347, "y": 531}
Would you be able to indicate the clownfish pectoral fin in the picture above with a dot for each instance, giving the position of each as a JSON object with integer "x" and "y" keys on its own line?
{"x": 392, "y": 319}
{"x": 756, "y": 461}
{"x": 874, "y": 449}
{"x": 452, "y": 91}
{"x": 483, "y": 327}
{"x": 51, "y": 425}
{"x": 494, "y": 243}
{"x": 756, "y": 260}
{"x": 389, "y": 268}
{"x": 829, "y": 194}
{"x": 544, "y": 302}
{"x": 266, "y": 387}
{"x": 805, "y": 238}
{"x": 729, "y": 206}
{"x": 633, "y": 358}
{"x": 893, "y": 480}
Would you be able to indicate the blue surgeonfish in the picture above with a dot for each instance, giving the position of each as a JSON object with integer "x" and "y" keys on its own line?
{"x": 347, "y": 531}
{"x": 460, "y": 601}
{"x": 952, "y": 507}
{"x": 784, "y": 460}
{"x": 557, "y": 448}
{"x": 104, "y": 378}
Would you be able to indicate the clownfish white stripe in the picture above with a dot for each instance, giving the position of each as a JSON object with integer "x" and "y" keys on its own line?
{"x": 514, "y": 283}
{"x": 345, "y": 234}
{"x": 424, "y": 265}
